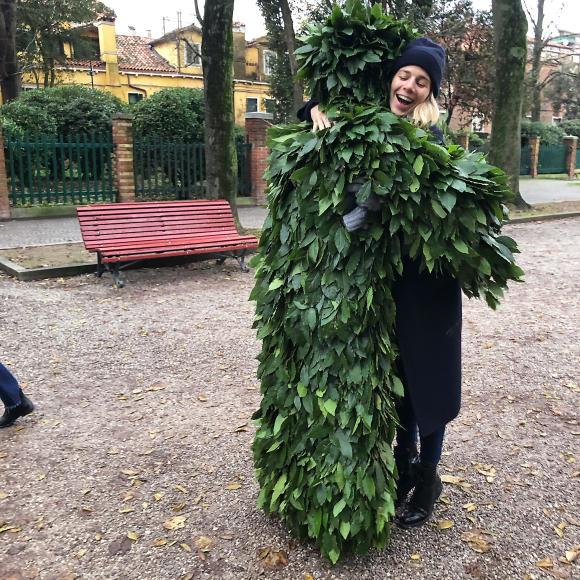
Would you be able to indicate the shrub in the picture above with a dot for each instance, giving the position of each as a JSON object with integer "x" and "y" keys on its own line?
{"x": 63, "y": 110}
{"x": 571, "y": 127}
{"x": 172, "y": 114}
{"x": 549, "y": 134}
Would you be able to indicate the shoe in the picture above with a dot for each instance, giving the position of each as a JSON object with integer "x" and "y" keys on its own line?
{"x": 428, "y": 488}
{"x": 407, "y": 462}
{"x": 10, "y": 415}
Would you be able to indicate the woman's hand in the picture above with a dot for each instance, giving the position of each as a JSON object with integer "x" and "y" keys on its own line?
{"x": 319, "y": 119}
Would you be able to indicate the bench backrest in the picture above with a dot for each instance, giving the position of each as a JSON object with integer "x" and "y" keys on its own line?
{"x": 110, "y": 224}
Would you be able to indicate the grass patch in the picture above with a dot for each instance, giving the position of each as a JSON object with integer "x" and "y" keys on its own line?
{"x": 49, "y": 256}
{"x": 541, "y": 209}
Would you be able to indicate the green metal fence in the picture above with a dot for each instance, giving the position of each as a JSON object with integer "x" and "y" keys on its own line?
{"x": 525, "y": 162}
{"x": 552, "y": 159}
{"x": 49, "y": 170}
{"x": 166, "y": 171}
{"x": 578, "y": 158}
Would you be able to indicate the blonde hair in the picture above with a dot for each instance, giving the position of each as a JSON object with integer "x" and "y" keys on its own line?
{"x": 427, "y": 113}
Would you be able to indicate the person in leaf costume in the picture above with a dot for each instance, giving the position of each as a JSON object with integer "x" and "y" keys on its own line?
{"x": 357, "y": 310}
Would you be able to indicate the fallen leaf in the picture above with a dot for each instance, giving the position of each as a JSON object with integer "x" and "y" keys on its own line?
{"x": 157, "y": 496}
{"x": 175, "y": 523}
{"x": 133, "y": 536}
{"x": 444, "y": 499}
{"x": 201, "y": 397}
{"x": 545, "y": 563}
{"x": 415, "y": 556}
{"x": 185, "y": 547}
{"x": 308, "y": 576}
{"x": 444, "y": 524}
{"x": 571, "y": 555}
{"x": 158, "y": 542}
{"x": 181, "y": 488}
{"x": 476, "y": 541}
{"x": 179, "y": 506}
{"x": 452, "y": 479}
{"x": 126, "y": 510}
{"x": 233, "y": 485}
{"x": 273, "y": 558}
{"x": 559, "y": 529}
{"x": 470, "y": 507}
{"x": 204, "y": 544}
{"x": 3, "y": 495}
{"x": 113, "y": 451}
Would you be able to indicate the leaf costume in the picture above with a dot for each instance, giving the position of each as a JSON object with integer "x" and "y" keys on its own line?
{"x": 325, "y": 309}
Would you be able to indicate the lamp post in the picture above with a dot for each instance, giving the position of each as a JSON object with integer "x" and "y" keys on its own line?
{"x": 92, "y": 73}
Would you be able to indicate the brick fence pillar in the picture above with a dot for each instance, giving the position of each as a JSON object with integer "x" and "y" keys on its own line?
{"x": 534, "y": 141}
{"x": 463, "y": 140}
{"x": 571, "y": 143}
{"x": 123, "y": 156}
{"x": 256, "y": 126}
{"x": 4, "y": 199}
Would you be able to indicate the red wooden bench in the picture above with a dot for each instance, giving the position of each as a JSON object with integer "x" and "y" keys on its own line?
{"x": 125, "y": 233}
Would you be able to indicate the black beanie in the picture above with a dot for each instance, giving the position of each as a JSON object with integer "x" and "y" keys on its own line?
{"x": 427, "y": 54}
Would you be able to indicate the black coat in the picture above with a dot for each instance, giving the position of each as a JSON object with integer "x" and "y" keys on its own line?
{"x": 428, "y": 330}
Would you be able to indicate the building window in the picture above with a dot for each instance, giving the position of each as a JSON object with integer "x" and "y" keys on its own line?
{"x": 477, "y": 123}
{"x": 269, "y": 62}
{"x": 251, "y": 105}
{"x": 135, "y": 97}
{"x": 556, "y": 120}
{"x": 269, "y": 105}
{"x": 192, "y": 54}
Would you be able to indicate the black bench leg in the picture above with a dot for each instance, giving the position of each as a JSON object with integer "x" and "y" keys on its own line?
{"x": 220, "y": 261}
{"x": 241, "y": 261}
{"x": 100, "y": 267}
{"x": 118, "y": 282}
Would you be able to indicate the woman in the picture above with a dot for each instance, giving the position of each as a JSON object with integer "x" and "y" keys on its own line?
{"x": 428, "y": 323}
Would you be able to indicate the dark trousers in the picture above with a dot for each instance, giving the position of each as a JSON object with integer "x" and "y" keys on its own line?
{"x": 431, "y": 445}
{"x": 9, "y": 389}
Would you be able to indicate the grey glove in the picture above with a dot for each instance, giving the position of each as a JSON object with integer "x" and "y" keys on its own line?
{"x": 355, "y": 219}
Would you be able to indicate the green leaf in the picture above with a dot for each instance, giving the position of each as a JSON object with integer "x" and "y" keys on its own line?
{"x": 302, "y": 390}
{"x": 398, "y": 388}
{"x": 418, "y": 165}
{"x": 368, "y": 486}
{"x": 278, "y": 424}
{"x": 448, "y": 200}
{"x": 278, "y": 488}
{"x": 437, "y": 208}
{"x": 275, "y": 284}
{"x": 461, "y": 246}
{"x": 343, "y": 441}
{"x": 344, "y": 529}
{"x": 330, "y": 406}
{"x": 338, "y": 507}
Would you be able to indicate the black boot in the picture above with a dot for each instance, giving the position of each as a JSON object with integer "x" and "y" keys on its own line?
{"x": 407, "y": 462}
{"x": 427, "y": 490}
{"x": 10, "y": 415}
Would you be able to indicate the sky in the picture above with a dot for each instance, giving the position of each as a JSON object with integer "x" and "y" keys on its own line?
{"x": 563, "y": 14}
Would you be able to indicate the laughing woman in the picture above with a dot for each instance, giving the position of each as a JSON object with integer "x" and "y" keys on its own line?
{"x": 428, "y": 323}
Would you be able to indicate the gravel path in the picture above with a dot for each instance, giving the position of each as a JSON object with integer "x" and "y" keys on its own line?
{"x": 144, "y": 399}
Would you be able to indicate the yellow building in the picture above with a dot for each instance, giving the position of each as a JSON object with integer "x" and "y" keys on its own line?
{"x": 135, "y": 67}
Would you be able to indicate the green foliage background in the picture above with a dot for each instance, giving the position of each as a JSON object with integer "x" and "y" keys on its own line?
{"x": 63, "y": 110}
{"x": 324, "y": 308}
{"x": 549, "y": 134}
{"x": 175, "y": 115}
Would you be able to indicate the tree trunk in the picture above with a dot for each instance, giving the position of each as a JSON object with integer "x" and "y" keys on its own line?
{"x": 509, "y": 29}
{"x": 298, "y": 89}
{"x": 537, "y": 63}
{"x": 10, "y": 82}
{"x": 217, "y": 55}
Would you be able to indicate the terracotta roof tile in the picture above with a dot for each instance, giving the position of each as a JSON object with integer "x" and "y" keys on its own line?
{"x": 136, "y": 54}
